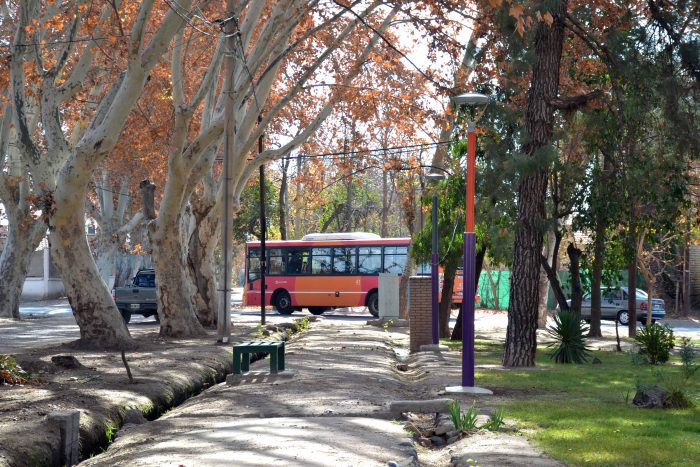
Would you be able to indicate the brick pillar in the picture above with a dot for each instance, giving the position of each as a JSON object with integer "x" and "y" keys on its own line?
{"x": 419, "y": 311}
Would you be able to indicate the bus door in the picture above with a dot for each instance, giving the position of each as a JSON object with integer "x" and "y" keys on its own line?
{"x": 346, "y": 282}
{"x": 328, "y": 288}
{"x": 251, "y": 292}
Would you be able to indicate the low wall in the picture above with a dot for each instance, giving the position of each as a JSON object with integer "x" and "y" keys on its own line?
{"x": 36, "y": 288}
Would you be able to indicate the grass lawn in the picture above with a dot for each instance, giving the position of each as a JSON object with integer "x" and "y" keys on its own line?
{"x": 579, "y": 414}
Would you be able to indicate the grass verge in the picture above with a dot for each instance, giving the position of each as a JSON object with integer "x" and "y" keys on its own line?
{"x": 581, "y": 415}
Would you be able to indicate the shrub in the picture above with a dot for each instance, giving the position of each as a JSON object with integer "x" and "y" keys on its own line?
{"x": 676, "y": 384}
{"x": 569, "y": 333}
{"x": 302, "y": 324}
{"x": 678, "y": 398}
{"x": 688, "y": 355}
{"x": 11, "y": 372}
{"x": 655, "y": 343}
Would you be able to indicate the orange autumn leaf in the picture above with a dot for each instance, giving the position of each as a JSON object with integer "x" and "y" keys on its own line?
{"x": 548, "y": 18}
{"x": 516, "y": 11}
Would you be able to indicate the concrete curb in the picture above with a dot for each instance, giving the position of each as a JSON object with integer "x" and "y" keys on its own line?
{"x": 427, "y": 406}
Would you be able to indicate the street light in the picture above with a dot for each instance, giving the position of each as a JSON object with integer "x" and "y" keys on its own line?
{"x": 470, "y": 99}
{"x": 435, "y": 314}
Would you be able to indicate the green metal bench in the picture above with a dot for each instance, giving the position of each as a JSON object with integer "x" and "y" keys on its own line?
{"x": 242, "y": 351}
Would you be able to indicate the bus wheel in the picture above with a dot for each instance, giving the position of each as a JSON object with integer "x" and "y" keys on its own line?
{"x": 283, "y": 303}
{"x": 373, "y": 303}
{"x": 317, "y": 310}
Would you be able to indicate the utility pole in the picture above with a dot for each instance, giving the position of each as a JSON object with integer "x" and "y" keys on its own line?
{"x": 224, "y": 315}
{"x": 263, "y": 230}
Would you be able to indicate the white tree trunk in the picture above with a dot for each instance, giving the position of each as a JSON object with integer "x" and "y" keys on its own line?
{"x": 106, "y": 259}
{"x": 22, "y": 239}
{"x": 126, "y": 267}
{"x": 101, "y": 324}
{"x": 201, "y": 270}
{"x": 177, "y": 318}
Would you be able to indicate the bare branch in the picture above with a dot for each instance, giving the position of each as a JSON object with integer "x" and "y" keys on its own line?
{"x": 94, "y": 212}
{"x": 68, "y": 46}
{"x": 176, "y": 73}
{"x": 301, "y": 137}
{"x": 159, "y": 43}
{"x": 24, "y": 138}
{"x": 301, "y": 82}
{"x": 72, "y": 85}
{"x": 209, "y": 76}
{"x": 138, "y": 29}
{"x": 136, "y": 219}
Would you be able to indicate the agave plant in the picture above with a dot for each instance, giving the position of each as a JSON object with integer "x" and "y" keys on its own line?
{"x": 569, "y": 333}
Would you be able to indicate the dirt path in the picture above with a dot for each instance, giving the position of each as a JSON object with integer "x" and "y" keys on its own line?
{"x": 166, "y": 372}
{"x": 333, "y": 411}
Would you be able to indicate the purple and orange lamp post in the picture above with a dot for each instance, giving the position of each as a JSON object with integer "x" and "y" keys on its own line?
{"x": 470, "y": 99}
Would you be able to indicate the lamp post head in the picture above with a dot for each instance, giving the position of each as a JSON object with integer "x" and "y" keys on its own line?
{"x": 435, "y": 176}
{"x": 471, "y": 98}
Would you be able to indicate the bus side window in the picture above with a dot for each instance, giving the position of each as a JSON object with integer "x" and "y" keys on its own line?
{"x": 253, "y": 264}
{"x": 275, "y": 262}
{"x": 344, "y": 261}
{"x": 369, "y": 260}
{"x": 395, "y": 259}
{"x": 320, "y": 261}
{"x": 298, "y": 261}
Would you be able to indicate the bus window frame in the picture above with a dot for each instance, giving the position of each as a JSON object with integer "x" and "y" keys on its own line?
{"x": 286, "y": 251}
{"x": 381, "y": 259}
{"x": 268, "y": 260}
{"x": 248, "y": 269}
{"x": 285, "y": 255}
{"x": 384, "y": 254}
{"x": 353, "y": 270}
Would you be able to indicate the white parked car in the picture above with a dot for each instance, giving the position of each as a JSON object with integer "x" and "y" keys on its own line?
{"x": 613, "y": 306}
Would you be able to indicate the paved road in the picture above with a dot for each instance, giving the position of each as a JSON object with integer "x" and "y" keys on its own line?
{"x": 51, "y": 322}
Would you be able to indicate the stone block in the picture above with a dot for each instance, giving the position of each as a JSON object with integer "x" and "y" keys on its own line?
{"x": 257, "y": 377}
{"x": 427, "y": 406}
{"x": 68, "y": 423}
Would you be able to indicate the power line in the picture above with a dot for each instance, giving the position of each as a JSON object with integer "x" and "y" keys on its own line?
{"x": 377, "y": 151}
{"x": 339, "y": 154}
{"x": 172, "y": 4}
{"x": 114, "y": 192}
{"x": 57, "y": 42}
{"x": 237, "y": 34}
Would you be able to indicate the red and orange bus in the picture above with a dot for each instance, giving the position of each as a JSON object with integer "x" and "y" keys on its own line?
{"x": 324, "y": 271}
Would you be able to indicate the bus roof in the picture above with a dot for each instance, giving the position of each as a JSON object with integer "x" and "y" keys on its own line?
{"x": 341, "y": 236}
{"x": 337, "y": 242}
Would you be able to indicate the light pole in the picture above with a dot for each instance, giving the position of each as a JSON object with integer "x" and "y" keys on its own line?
{"x": 435, "y": 314}
{"x": 263, "y": 230}
{"x": 470, "y": 99}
